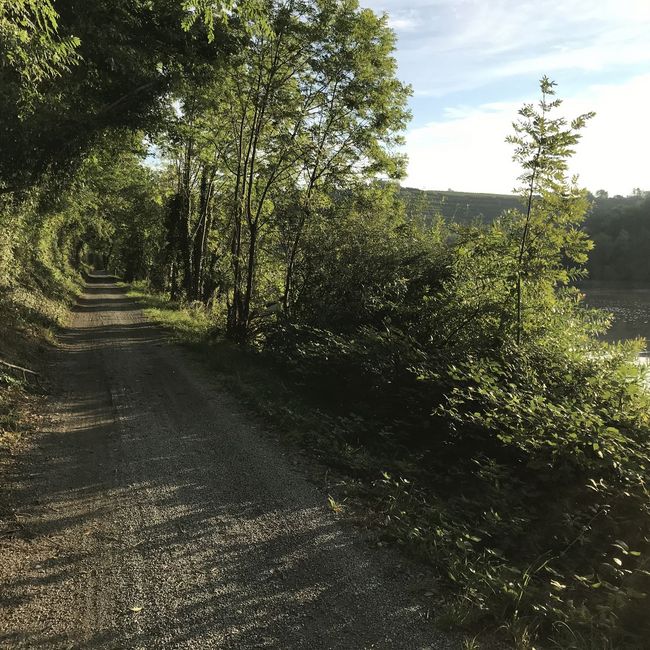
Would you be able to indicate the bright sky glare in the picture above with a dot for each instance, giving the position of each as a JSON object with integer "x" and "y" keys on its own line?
{"x": 472, "y": 63}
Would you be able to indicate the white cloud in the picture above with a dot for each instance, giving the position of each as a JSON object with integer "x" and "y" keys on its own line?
{"x": 606, "y": 50}
{"x": 487, "y": 49}
{"x": 403, "y": 24}
{"x": 449, "y": 45}
{"x": 466, "y": 150}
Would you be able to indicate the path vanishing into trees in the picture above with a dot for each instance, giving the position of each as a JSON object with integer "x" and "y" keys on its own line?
{"x": 155, "y": 513}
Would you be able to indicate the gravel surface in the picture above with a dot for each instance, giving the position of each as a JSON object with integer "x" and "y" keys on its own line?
{"x": 155, "y": 513}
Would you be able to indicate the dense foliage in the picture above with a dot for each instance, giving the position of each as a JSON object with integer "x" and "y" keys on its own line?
{"x": 240, "y": 158}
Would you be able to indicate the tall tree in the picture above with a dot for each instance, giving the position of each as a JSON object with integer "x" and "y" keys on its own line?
{"x": 96, "y": 67}
{"x": 31, "y": 49}
{"x": 309, "y": 105}
{"x": 554, "y": 206}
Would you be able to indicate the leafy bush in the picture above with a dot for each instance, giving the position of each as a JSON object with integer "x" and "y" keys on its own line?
{"x": 563, "y": 438}
{"x": 518, "y": 470}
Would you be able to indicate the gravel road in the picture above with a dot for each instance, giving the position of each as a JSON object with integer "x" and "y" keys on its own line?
{"x": 156, "y": 513}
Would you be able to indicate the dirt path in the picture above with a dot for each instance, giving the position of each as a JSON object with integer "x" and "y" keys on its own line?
{"x": 152, "y": 489}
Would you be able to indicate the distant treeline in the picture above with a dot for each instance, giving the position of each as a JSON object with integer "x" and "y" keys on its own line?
{"x": 620, "y": 229}
{"x": 618, "y": 225}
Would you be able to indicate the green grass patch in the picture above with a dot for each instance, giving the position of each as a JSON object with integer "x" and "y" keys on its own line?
{"x": 188, "y": 323}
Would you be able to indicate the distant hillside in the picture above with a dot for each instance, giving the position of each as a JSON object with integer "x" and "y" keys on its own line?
{"x": 618, "y": 225}
{"x": 461, "y": 207}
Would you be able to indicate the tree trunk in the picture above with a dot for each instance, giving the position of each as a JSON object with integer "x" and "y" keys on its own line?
{"x": 184, "y": 220}
{"x": 201, "y": 236}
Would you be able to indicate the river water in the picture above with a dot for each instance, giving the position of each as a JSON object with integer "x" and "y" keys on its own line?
{"x": 630, "y": 307}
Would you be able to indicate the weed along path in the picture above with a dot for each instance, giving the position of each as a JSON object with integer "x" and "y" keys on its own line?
{"x": 154, "y": 513}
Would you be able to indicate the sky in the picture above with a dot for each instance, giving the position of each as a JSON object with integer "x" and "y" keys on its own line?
{"x": 473, "y": 63}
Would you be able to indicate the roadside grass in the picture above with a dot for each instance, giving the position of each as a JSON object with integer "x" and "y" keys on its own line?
{"x": 32, "y": 310}
{"x": 190, "y": 324}
{"x": 500, "y": 578}
{"x": 299, "y": 411}
{"x": 31, "y": 316}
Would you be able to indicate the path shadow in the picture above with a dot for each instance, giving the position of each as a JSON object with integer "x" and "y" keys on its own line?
{"x": 150, "y": 471}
